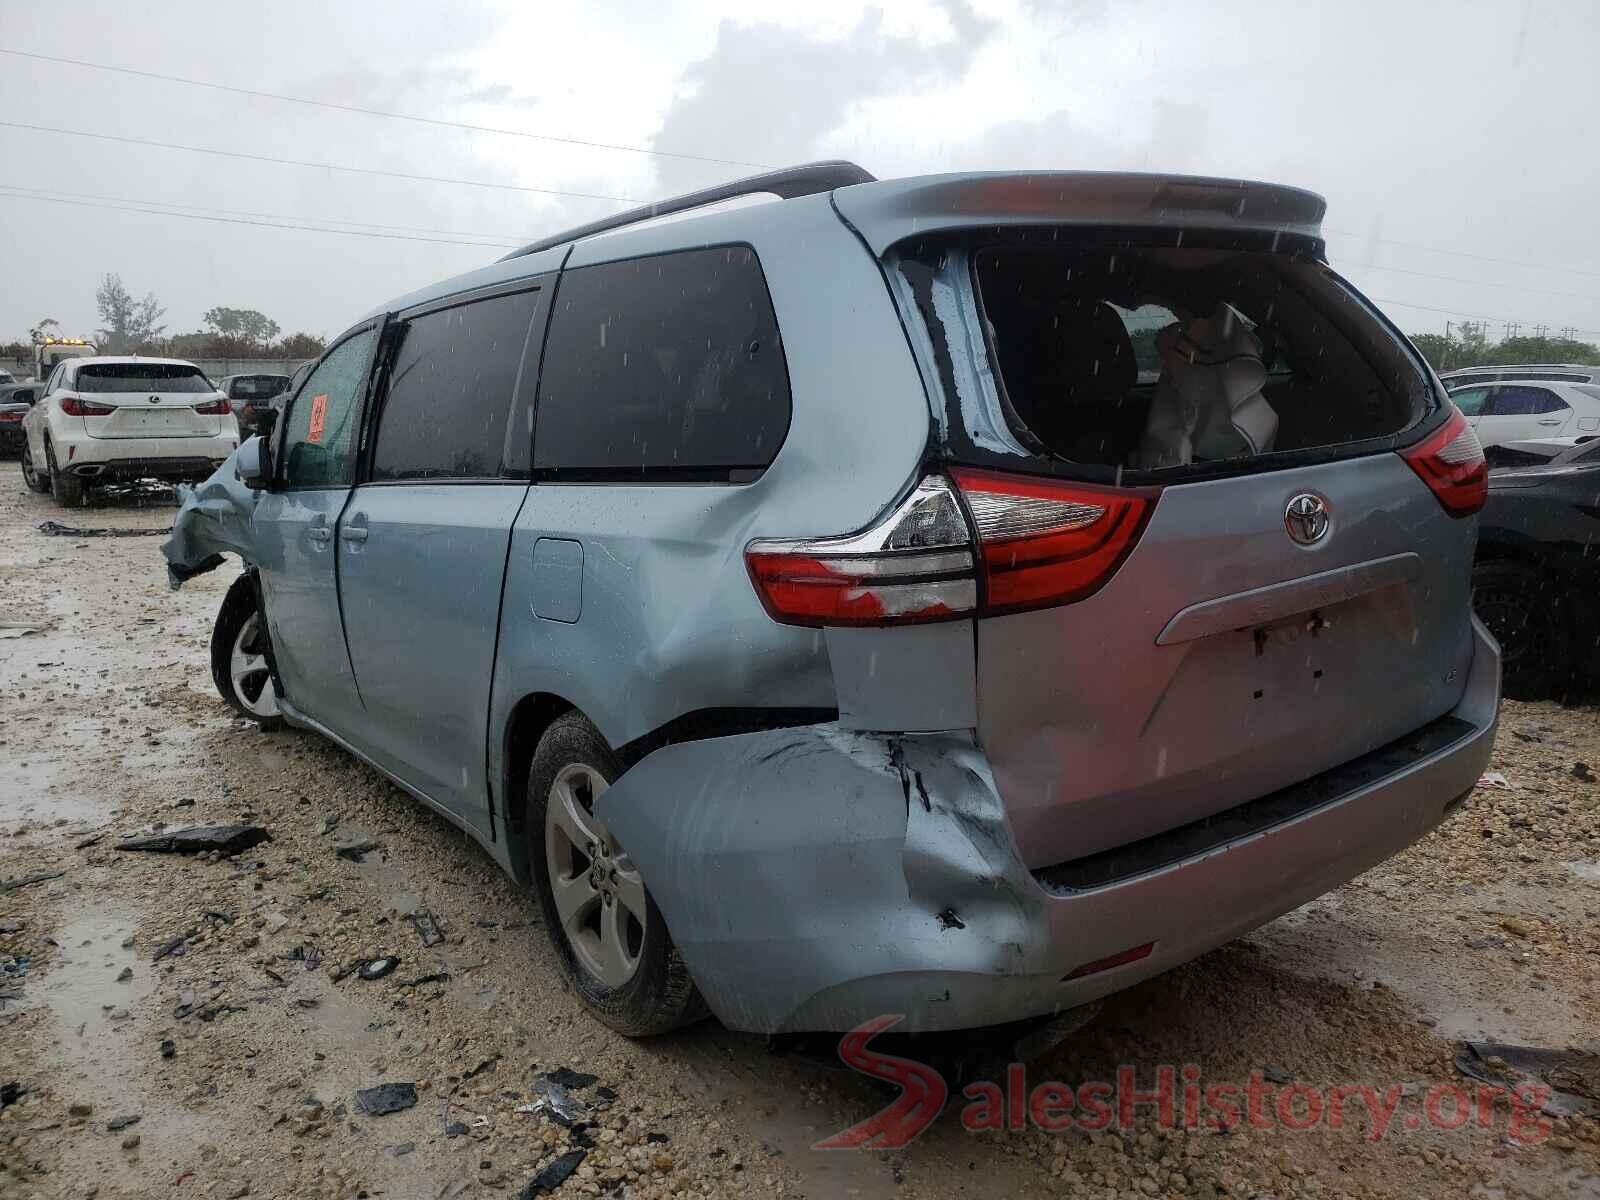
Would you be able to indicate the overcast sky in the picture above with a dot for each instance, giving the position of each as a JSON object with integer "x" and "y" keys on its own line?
{"x": 1450, "y": 140}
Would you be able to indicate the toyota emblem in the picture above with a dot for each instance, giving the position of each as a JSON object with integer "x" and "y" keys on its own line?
{"x": 155, "y": 399}
{"x": 1306, "y": 518}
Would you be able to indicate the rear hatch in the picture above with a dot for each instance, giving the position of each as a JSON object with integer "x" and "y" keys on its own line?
{"x": 149, "y": 400}
{"x": 1277, "y": 579}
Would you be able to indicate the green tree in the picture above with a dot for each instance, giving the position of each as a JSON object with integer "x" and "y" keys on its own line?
{"x": 246, "y": 326}
{"x": 129, "y": 323}
{"x": 302, "y": 345}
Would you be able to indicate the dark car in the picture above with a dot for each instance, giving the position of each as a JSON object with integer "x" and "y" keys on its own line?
{"x": 251, "y": 398}
{"x": 1537, "y": 572}
{"x": 15, "y": 401}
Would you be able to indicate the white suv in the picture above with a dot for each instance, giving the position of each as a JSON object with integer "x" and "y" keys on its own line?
{"x": 103, "y": 419}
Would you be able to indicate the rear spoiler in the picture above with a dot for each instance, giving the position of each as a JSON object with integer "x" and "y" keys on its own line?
{"x": 887, "y": 212}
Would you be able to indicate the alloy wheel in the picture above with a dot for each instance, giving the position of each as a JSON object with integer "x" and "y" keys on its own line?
{"x": 247, "y": 669}
{"x": 599, "y": 896}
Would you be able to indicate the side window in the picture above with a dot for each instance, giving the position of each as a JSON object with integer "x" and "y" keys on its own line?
{"x": 667, "y": 367}
{"x": 54, "y": 381}
{"x": 1516, "y": 400}
{"x": 1470, "y": 400}
{"x": 319, "y": 445}
{"x": 447, "y": 411}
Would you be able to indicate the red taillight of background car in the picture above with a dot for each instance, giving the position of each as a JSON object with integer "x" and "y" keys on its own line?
{"x": 74, "y": 407}
{"x": 1039, "y": 542}
{"x": 1450, "y": 461}
{"x": 213, "y": 408}
{"x": 13, "y": 416}
{"x": 1044, "y": 542}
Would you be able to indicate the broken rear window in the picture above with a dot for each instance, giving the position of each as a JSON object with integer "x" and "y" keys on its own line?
{"x": 1155, "y": 358}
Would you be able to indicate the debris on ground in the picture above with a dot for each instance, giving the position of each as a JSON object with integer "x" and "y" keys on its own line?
{"x": 1573, "y": 1076}
{"x": 1494, "y": 779}
{"x": 117, "y": 1124}
{"x": 356, "y": 851}
{"x": 377, "y": 968}
{"x": 11, "y": 885}
{"x": 555, "y": 1101}
{"x": 10, "y": 1093}
{"x": 568, "y": 1078}
{"x": 386, "y": 1098}
{"x": 553, "y": 1174}
{"x": 427, "y": 927}
{"x": 168, "y": 1048}
{"x": 224, "y": 839}
{"x": 16, "y": 631}
{"x": 55, "y": 529}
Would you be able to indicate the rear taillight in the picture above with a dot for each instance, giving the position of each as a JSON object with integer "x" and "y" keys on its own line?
{"x": 12, "y": 416}
{"x": 1450, "y": 461}
{"x": 75, "y": 407}
{"x": 1044, "y": 542}
{"x": 914, "y": 565}
{"x": 213, "y": 408}
{"x": 1039, "y": 543}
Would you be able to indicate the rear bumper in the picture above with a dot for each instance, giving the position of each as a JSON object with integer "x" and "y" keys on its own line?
{"x": 815, "y": 878}
{"x": 132, "y": 458}
{"x": 11, "y": 437}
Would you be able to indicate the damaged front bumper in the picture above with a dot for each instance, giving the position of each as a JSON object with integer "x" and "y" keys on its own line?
{"x": 214, "y": 517}
{"x": 814, "y": 878}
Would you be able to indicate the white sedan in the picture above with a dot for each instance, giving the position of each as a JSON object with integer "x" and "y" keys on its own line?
{"x": 103, "y": 419}
{"x": 1529, "y": 410}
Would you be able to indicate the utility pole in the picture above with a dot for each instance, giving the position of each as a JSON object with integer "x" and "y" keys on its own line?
{"x": 1539, "y": 331}
{"x": 1570, "y": 332}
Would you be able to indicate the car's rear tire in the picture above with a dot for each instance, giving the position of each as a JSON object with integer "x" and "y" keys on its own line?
{"x": 239, "y": 665}
{"x": 37, "y": 480}
{"x": 610, "y": 937}
{"x": 1528, "y": 613}
{"x": 68, "y": 490}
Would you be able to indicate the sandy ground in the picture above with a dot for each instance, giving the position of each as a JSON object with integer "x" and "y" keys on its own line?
{"x": 1490, "y": 928}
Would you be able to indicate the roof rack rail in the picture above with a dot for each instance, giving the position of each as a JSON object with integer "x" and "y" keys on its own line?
{"x": 787, "y": 183}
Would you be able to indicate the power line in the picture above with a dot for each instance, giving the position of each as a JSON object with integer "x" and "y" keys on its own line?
{"x": 378, "y": 112}
{"x": 494, "y": 239}
{"x": 10, "y": 195}
{"x": 296, "y": 162}
{"x": 1456, "y": 312}
{"x": 1509, "y": 262}
{"x": 1515, "y": 287}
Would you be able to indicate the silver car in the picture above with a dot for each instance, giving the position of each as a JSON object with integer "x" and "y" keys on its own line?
{"x": 955, "y": 597}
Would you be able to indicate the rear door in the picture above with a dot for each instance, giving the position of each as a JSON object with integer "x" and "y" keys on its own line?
{"x": 1515, "y": 412}
{"x": 1186, "y": 605}
{"x": 422, "y": 545}
{"x": 294, "y": 533}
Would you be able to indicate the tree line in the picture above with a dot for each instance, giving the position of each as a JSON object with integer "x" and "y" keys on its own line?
{"x": 134, "y": 326}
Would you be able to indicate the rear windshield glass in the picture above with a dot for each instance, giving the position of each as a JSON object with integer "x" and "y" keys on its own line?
{"x": 1155, "y": 358}
{"x": 141, "y": 377}
{"x": 257, "y": 387}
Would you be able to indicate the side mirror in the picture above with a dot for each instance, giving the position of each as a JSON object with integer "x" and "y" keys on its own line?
{"x": 254, "y": 464}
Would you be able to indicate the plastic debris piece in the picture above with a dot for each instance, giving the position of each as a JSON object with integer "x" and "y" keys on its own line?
{"x": 377, "y": 968}
{"x": 227, "y": 839}
{"x": 553, "y": 1175}
{"x": 386, "y": 1098}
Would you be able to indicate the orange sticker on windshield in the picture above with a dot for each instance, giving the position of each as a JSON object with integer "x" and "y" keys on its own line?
{"x": 319, "y": 414}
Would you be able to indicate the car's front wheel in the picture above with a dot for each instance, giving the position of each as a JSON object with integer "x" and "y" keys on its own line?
{"x": 609, "y": 935}
{"x": 239, "y": 664}
{"x": 36, "y": 479}
{"x": 1528, "y": 614}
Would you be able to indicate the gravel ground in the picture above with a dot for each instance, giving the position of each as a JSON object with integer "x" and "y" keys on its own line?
{"x": 240, "y": 1052}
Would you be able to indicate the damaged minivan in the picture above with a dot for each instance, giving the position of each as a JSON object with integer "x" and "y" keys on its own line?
{"x": 953, "y": 598}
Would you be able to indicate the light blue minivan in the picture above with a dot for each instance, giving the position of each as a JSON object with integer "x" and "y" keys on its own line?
{"x": 957, "y": 597}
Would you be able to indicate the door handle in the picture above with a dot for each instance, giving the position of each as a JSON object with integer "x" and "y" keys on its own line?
{"x": 354, "y": 533}
{"x": 320, "y": 533}
{"x": 1552, "y": 421}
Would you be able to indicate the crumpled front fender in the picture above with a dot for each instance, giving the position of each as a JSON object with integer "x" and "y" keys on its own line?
{"x": 214, "y": 518}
